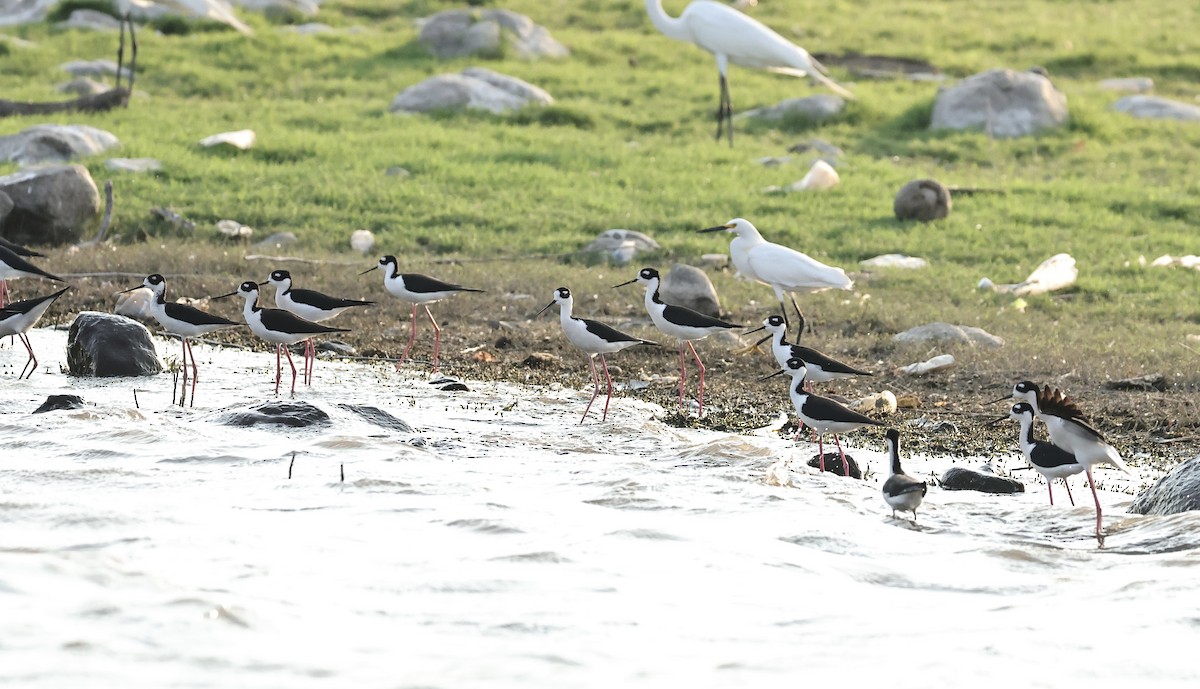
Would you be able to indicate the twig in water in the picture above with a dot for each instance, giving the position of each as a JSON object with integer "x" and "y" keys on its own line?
{"x": 290, "y": 464}
{"x": 343, "y": 468}
{"x": 135, "y": 401}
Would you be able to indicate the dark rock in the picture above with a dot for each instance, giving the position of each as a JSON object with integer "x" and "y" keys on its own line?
{"x": 833, "y": 464}
{"x": 56, "y": 402}
{"x": 336, "y": 347}
{"x": 542, "y": 360}
{"x": 961, "y": 478}
{"x": 51, "y": 205}
{"x": 922, "y": 199}
{"x": 1177, "y": 491}
{"x": 104, "y": 344}
{"x": 455, "y": 387}
{"x": 277, "y": 413}
{"x": 1154, "y": 381}
{"x": 690, "y": 287}
{"x": 378, "y": 417}
{"x": 6, "y": 206}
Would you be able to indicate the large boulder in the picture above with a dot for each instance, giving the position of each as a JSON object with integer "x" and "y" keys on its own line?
{"x": 922, "y": 199}
{"x": 475, "y": 88}
{"x": 104, "y": 345}
{"x": 51, "y": 205}
{"x": 53, "y": 143}
{"x": 1176, "y": 491}
{"x": 6, "y": 206}
{"x": 689, "y": 286}
{"x": 1002, "y": 102}
{"x": 1156, "y": 108}
{"x": 455, "y": 33}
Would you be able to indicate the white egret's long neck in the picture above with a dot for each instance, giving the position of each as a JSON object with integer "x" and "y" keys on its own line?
{"x": 671, "y": 27}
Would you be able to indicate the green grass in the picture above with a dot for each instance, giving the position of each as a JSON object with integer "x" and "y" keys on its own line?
{"x": 629, "y": 144}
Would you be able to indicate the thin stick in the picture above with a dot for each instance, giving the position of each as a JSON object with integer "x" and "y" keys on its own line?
{"x": 290, "y": 464}
{"x": 343, "y": 468}
{"x": 135, "y": 400}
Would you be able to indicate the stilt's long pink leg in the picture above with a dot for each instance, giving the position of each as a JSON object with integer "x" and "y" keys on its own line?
{"x": 604, "y": 365}
{"x": 278, "y": 368}
{"x": 1092, "y": 483}
{"x": 821, "y": 452}
{"x": 293, "y": 365}
{"x": 195, "y": 373}
{"x": 32, "y": 358}
{"x": 1069, "y": 491}
{"x": 682, "y": 374}
{"x": 595, "y": 388}
{"x": 310, "y": 355}
{"x": 845, "y": 462}
{"x": 437, "y": 338}
{"x": 183, "y": 363}
{"x": 1051, "y": 489}
{"x": 700, "y": 365}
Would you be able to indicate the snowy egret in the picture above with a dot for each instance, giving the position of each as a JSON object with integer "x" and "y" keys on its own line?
{"x": 735, "y": 37}
{"x": 594, "y": 338}
{"x": 784, "y": 269}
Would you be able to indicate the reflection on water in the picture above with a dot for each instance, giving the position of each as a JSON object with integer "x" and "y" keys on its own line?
{"x": 500, "y": 545}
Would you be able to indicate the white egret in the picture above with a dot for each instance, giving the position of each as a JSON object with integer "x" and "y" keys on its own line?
{"x": 735, "y": 37}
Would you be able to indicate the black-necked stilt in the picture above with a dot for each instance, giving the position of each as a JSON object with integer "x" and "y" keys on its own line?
{"x": 823, "y": 415}
{"x": 14, "y": 266}
{"x": 182, "y": 320}
{"x": 784, "y": 269}
{"x": 1070, "y": 430}
{"x": 418, "y": 290}
{"x": 595, "y": 339}
{"x": 278, "y": 327}
{"x": 18, "y": 317}
{"x": 681, "y": 323}
{"x": 309, "y": 305}
{"x": 901, "y": 491}
{"x": 1050, "y": 460}
{"x": 820, "y": 367}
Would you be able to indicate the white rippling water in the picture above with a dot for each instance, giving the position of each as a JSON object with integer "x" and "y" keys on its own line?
{"x": 500, "y": 544}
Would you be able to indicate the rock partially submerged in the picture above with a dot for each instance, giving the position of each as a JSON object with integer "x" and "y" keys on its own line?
{"x": 60, "y": 402}
{"x": 1001, "y": 102}
{"x": 277, "y": 413}
{"x": 378, "y": 417}
{"x": 833, "y": 464}
{"x": 963, "y": 478}
{"x": 104, "y": 345}
{"x": 1176, "y": 491}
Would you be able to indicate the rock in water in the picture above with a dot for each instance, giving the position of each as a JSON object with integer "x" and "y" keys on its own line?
{"x": 277, "y": 413}
{"x": 57, "y": 402}
{"x": 961, "y": 478}
{"x": 833, "y": 464}
{"x": 1177, "y": 491}
{"x": 378, "y": 417}
{"x": 104, "y": 345}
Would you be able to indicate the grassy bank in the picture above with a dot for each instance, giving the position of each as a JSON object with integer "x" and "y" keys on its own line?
{"x": 629, "y": 144}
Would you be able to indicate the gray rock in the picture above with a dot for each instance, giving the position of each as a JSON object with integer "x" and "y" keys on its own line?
{"x": 281, "y": 8}
{"x": 379, "y": 417}
{"x": 1156, "y": 108}
{"x": 1176, "y": 491}
{"x": 833, "y": 464}
{"x": 83, "y": 86}
{"x": 133, "y": 164}
{"x": 51, "y": 205}
{"x": 689, "y": 286}
{"x": 821, "y": 106}
{"x": 94, "y": 68}
{"x": 620, "y": 246}
{"x": 14, "y": 12}
{"x": 398, "y": 171}
{"x": 828, "y": 151}
{"x": 53, "y": 143}
{"x": 455, "y": 33}
{"x": 479, "y": 90}
{"x": 105, "y": 345}
{"x": 277, "y": 413}
{"x": 1128, "y": 84}
{"x": 1001, "y": 102}
{"x": 944, "y": 332}
{"x": 90, "y": 20}
{"x": 60, "y": 402}
{"x": 309, "y": 28}
{"x": 922, "y": 199}
{"x": 962, "y": 478}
